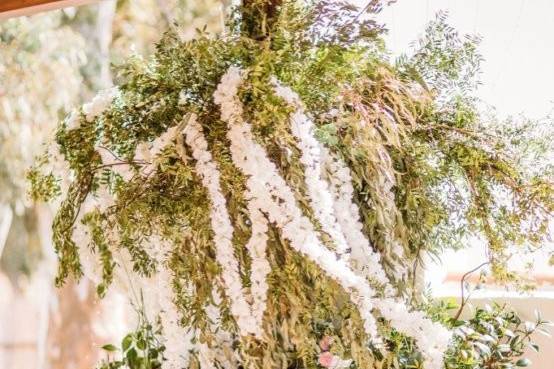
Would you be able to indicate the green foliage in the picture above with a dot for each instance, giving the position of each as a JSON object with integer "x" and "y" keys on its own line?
{"x": 443, "y": 61}
{"x": 46, "y": 186}
{"x": 495, "y": 337}
{"x": 140, "y": 349}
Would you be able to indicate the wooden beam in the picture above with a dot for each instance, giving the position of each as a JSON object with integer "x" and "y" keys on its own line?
{"x": 16, "y": 8}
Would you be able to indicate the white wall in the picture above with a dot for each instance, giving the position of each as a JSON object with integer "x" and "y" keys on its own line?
{"x": 518, "y": 45}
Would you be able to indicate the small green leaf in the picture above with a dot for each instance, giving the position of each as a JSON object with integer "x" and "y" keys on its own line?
{"x": 132, "y": 357}
{"x": 141, "y": 344}
{"x": 523, "y": 362}
{"x": 109, "y": 347}
{"x": 534, "y": 346}
{"x": 101, "y": 290}
{"x": 126, "y": 342}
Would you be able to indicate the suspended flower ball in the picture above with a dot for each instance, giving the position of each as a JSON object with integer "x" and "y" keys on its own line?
{"x": 267, "y": 188}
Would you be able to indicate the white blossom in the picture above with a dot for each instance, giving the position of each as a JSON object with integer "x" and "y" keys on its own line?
{"x": 221, "y": 225}
{"x": 364, "y": 259}
{"x": 260, "y": 267}
{"x": 147, "y": 153}
{"x": 177, "y": 340}
{"x": 73, "y": 120}
{"x": 431, "y": 338}
{"x": 319, "y": 194}
{"x": 159, "y": 293}
{"x": 221, "y": 348}
{"x": 100, "y": 103}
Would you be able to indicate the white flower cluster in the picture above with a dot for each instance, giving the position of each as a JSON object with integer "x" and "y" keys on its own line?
{"x": 147, "y": 152}
{"x": 221, "y": 226}
{"x": 319, "y": 194}
{"x": 277, "y": 200}
{"x": 99, "y": 103}
{"x": 73, "y": 121}
{"x": 159, "y": 297}
{"x": 364, "y": 259}
{"x": 431, "y": 338}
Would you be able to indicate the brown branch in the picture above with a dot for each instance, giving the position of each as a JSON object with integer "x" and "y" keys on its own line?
{"x": 462, "y": 281}
{"x": 258, "y": 18}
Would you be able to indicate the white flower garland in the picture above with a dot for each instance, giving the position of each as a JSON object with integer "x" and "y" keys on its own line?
{"x": 176, "y": 340}
{"x": 73, "y": 121}
{"x": 277, "y": 200}
{"x": 221, "y": 348}
{"x": 159, "y": 288}
{"x": 364, "y": 259}
{"x": 147, "y": 152}
{"x": 333, "y": 205}
{"x": 221, "y": 226}
{"x": 92, "y": 109}
{"x": 256, "y": 246}
{"x": 320, "y": 197}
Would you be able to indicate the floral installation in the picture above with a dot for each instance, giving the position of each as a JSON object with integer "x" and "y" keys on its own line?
{"x": 271, "y": 191}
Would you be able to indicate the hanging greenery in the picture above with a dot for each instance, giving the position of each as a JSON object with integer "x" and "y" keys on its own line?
{"x": 271, "y": 192}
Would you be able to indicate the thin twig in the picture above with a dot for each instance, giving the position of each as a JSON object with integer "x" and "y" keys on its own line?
{"x": 462, "y": 281}
{"x": 111, "y": 152}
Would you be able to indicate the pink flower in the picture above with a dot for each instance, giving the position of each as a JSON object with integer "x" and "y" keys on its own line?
{"x": 326, "y": 359}
{"x": 326, "y": 343}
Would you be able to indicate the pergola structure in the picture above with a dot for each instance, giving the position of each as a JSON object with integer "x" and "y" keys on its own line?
{"x": 15, "y": 8}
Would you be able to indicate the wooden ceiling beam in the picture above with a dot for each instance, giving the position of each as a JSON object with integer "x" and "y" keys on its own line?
{"x": 16, "y": 8}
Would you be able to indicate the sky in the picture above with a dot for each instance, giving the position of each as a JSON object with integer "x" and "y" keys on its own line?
{"x": 517, "y": 45}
